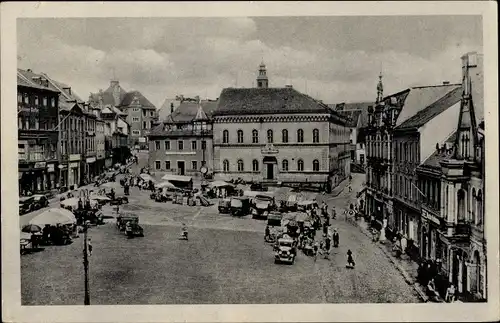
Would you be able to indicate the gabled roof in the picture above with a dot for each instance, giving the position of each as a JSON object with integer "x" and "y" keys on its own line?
{"x": 352, "y": 117}
{"x": 187, "y": 111}
{"x": 27, "y": 78}
{"x": 125, "y": 99}
{"x": 252, "y": 101}
{"x": 129, "y": 97}
{"x": 436, "y": 108}
{"x": 420, "y": 97}
{"x": 433, "y": 161}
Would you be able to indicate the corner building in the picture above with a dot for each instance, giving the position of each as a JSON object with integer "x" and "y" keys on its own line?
{"x": 275, "y": 135}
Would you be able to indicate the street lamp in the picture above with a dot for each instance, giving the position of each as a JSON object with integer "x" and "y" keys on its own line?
{"x": 85, "y": 210}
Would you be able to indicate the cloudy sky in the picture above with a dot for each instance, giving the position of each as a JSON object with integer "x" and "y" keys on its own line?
{"x": 336, "y": 59}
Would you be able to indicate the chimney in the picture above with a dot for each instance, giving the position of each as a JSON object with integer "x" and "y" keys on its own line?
{"x": 446, "y": 82}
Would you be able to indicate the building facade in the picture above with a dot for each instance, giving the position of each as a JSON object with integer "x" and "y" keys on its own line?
{"x": 453, "y": 213}
{"x": 38, "y": 113}
{"x": 183, "y": 143}
{"x": 279, "y": 135}
{"x": 135, "y": 108}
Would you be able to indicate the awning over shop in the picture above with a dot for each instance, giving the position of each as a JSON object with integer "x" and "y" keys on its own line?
{"x": 177, "y": 178}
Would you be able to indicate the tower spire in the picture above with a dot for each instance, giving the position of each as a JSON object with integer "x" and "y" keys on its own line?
{"x": 380, "y": 88}
{"x": 262, "y": 80}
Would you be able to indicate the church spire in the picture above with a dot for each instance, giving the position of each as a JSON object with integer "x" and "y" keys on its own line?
{"x": 262, "y": 80}
{"x": 380, "y": 89}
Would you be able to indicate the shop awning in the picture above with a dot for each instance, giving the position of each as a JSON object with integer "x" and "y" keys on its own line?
{"x": 178, "y": 178}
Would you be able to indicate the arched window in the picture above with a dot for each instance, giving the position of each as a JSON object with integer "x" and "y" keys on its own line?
{"x": 225, "y": 137}
{"x": 479, "y": 207}
{"x": 284, "y": 165}
{"x": 316, "y": 165}
{"x": 270, "y": 136}
{"x": 300, "y": 165}
{"x": 255, "y": 165}
{"x": 225, "y": 165}
{"x": 474, "y": 207}
{"x": 255, "y": 136}
{"x": 315, "y": 135}
{"x": 300, "y": 135}
{"x": 461, "y": 205}
{"x": 284, "y": 135}
{"x": 240, "y": 136}
{"x": 240, "y": 165}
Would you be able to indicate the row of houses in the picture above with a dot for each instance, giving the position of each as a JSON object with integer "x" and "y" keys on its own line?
{"x": 261, "y": 134}
{"x": 425, "y": 174}
{"x": 64, "y": 141}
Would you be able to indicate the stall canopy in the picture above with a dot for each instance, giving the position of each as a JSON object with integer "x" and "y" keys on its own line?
{"x": 220, "y": 184}
{"x": 147, "y": 177}
{"x": 166, "y": 184}
{"x": 177, "y": 178}
{"x": 54, "y": 216}
{"x": 73, "y": 202}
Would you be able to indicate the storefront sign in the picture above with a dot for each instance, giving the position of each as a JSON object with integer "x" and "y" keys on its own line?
{"x": 74, "y": 165}
{"x": 74, "y": 157}
{"x": 50, "y": 168}
{"x": 40, "y": 165}
{"x": 91, "y": 160}
{"x": 431, "y": 217}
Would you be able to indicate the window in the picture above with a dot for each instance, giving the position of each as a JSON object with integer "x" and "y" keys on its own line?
{"x": 26, "y": 98}
{"x": 19, "y": 98}
{"x": 316, "y": 135}
{"x": 157, "y": 144}
{"x": 284, "y": 135}
{"x": 151, "y": 113}
{"x": 316, "y": 165}
{"x": 193, "y": 145}
{"x": 135, "y": 119}
{"x": 240, "y": 165}
{"x": 53, "y": 102}
{"x": 167, "y": 145}
{"x": 136, "y": 132}
{"x": 194, "y": 164}
{"x": 157, "y": 164}
{"x": 240, "y": 136}
{"x": 225, "y": 166}
{"x": 225, "y": 137}
{"x": 479, "y": 207}
{"x": 203, "y": 145}
{"x": 255, "y": 136}
{"x": 144, "y": 125}
{"x": 136, "y": 109}
{"x": 300, "y": 165}
{"x": 36, "y": 100}
{"x": 284, "y": 165}
{"x": 406, "y": 152}
{"x": 300, "y": 135}
{"x": 167, "y": 164}
{"x": 44, "y": 102}
{"x": 270, "y": 136}
{"x": 255, "y": 165}
{"x": 180, "y": 144}
{"x": 474, "y": 207}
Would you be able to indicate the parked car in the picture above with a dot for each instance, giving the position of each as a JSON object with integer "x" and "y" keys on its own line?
{"x": 40, "y": 201}
{"x": 263, "y": 204}
{"x": 286, "y": 251}
{"x": 240, "y": 206}
{"x": 26, "y": 204}
{"x": 258, "y": 187}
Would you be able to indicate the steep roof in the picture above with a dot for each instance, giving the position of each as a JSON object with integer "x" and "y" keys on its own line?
{"x": 125, "y": 98}
{"x": 27, "y": 78}
{"x": 433, "y": 161}
{"x": 187, "y": 111}
{"x": 129, "y": 98}
{"x": 352, "y": 117}
{"x": 421, "y": 97}
{"x": 428, "y": 113}
{"x": 251, "y": 101}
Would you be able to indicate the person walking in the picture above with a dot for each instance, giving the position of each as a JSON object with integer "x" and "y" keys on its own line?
{"x": 327, "y": 247}
{"x": 335, "y": 238}
{"x": 316, "y": 250}
{"x": 350, "y": 259}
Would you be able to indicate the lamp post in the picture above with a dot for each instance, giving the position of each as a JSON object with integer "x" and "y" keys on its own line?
{"x": 85, "y": 210}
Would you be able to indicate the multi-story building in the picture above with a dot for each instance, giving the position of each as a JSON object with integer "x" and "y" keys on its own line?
{"x": 38, "y": 113}
{"x": 279, "y": 135}
{"x": 452, "y": 180}
{"x": 389, "y": 113}
{"x": 116, "y": 136}
{"x": 138, "y": 111}
{"x": 413, "y": 142}
{"x": 183, "y": 143}
{"x": 100, "y": 144}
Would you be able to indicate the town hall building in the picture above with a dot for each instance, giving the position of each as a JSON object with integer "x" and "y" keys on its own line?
{"x": 279, "y": 135}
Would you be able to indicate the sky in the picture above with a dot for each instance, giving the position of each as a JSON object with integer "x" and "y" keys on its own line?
{"x": 334, "y": 59}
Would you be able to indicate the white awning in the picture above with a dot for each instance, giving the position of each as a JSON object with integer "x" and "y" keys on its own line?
{"x": 178, "y": 178}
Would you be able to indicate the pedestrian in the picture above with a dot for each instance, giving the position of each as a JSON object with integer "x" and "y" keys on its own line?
{"x": 89, "y": 246}
{"x": 316, "y": 250}
{"x": 450, "y": 294}
{"x": 327, "y": 247}
{"x": 350, "y": 259}
{"x": 325, "y": 229}
{"x": 335, "y": 238}
{"x": 334, "y": 213}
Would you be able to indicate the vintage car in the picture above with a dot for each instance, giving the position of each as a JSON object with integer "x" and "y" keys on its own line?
{"x": 129, "y": 224}
{"x": 240, "y": 206}
{"x": 26, "y": 204}
{"x": 286, "y": 250}
{"x": 291, "y": 203}
{"x": 263, "y": 204}
{"x": 303, "y": 206}
{"x": 119, "y": 200}
{"x": 40, "y": 201}
{"x": 224, "y": 206}
{"x": 258, "y": 187}
{"x": 274, "y": 225}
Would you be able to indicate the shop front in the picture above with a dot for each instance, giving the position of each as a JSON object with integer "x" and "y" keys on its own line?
{"x": 90, "y": 167}
{"x": 33, "y": 178}
{"x": 63, "y": 175}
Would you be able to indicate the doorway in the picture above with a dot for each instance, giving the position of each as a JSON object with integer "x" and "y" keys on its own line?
{"x": 270, "y": 171}
{"x": 181, "y": 167}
